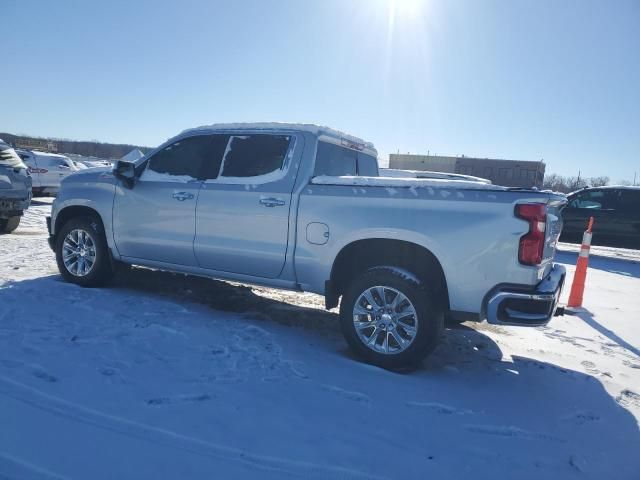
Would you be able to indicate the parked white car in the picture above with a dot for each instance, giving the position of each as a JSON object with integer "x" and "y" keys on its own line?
{"x": 47, "y": 170}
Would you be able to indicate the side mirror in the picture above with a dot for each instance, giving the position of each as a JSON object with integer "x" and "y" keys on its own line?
{"x": 125, "y": 171}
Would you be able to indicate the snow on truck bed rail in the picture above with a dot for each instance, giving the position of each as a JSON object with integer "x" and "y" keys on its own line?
{"x": 402, "y": 182}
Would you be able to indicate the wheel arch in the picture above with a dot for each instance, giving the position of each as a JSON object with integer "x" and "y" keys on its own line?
{"x": 74, "y": 211}
{"x": 360, "y": 255}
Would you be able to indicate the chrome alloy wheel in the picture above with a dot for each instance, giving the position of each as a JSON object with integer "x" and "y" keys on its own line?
{"x": 79, "y": 253}
{"x": 385, "y": 320}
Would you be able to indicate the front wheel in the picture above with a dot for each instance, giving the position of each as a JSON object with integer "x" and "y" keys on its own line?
{"x": 390, "y": 318}
{"x": 82, "y": 253}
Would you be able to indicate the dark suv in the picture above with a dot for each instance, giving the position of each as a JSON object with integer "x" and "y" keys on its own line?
{"x": 616, "y": 211}
{"x": 15, "y": 188}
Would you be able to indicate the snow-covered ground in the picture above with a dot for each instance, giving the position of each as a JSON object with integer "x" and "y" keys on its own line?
{"x": 163, "y": 376}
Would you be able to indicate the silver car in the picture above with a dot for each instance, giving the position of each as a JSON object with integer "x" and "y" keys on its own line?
{"x": 303, "y": 207}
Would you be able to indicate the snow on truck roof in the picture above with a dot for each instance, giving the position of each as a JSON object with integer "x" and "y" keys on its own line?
{"x": 267, "y": 126}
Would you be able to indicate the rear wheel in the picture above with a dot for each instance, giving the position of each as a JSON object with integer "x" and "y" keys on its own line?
{"x": 82, "y": 253}
{"x": 8, "y": 225}
{"x": 390, "y": 318}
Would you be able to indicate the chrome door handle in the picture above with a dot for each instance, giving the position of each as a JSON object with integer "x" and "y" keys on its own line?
{"x": 272, "y": 202}
{"x": 182, "y": 196}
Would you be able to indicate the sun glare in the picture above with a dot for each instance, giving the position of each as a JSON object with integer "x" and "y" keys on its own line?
{"x": 406, "y": 8}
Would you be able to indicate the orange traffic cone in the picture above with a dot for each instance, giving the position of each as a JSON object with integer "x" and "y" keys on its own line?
{"x": 577, "y": 287}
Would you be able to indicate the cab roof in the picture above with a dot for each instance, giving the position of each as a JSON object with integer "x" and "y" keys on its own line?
{"x": 271, "y": 126}
{"x": 607, "y": 187}
{"x": 615, "y": 187}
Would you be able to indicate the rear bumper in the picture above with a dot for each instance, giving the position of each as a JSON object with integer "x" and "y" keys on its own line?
{"x": 10, "y": 207}
{"x": 527, "y": 308}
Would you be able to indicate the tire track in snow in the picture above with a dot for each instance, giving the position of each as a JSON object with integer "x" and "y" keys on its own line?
{"x": 511, "y": 431}
{"x": 129, "y": 428}
{"x": 14, "y": 467}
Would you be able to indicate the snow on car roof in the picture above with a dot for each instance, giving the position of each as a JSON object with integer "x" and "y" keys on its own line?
{"x": 47, "y": 154}
{"x": 301, "y": 127}
{"x": 624, "y": 187}
{"x": 607, "y": 187}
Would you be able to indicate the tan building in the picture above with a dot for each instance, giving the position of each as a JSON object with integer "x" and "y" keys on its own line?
{"x": 36, "y": 144}
{"x": 510, "y": 173}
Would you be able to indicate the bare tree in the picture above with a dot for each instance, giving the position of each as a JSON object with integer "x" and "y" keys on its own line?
{"x": 555, "y": 182}
{"x": 599, "y": 181}
{"x": 575, "y": 183}
{"x": 558, "y": 183}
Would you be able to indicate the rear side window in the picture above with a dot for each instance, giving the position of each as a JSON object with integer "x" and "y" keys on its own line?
{"x": 184, "y": 157}
{"x": 254, "y": 155}
{"x": 630, "y": 201}
{"x": 367, "y": 165}
{"x": 335, "y": 161}
{"x": 52, "y": 162}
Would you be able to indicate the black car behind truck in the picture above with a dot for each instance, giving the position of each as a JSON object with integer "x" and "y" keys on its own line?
{"x": 616, "y": 210}
{"x": 15, "y": 188}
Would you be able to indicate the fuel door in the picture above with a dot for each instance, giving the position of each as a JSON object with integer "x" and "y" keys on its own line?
{"x": 317, "y": 233}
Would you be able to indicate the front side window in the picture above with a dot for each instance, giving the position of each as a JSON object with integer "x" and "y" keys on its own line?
{"x": 51, "y": 162}
{"x": 186, "y": 157}
{"x": 254, "y": 155}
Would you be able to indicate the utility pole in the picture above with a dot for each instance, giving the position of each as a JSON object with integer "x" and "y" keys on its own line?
{"x": 634, "y": 178}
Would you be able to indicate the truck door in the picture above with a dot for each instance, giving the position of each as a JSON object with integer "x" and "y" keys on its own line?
{"x": 52, "y": 169}
{"x": 242, "y": 217}
{"x": 155, "y": 220}
{"x": 32, "y": 166}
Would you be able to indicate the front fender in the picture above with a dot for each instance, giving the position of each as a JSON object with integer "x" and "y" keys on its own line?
{"x": 98, "y": 197}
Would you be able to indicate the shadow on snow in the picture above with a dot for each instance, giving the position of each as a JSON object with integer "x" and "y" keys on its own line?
{"x": 509, "y": 399}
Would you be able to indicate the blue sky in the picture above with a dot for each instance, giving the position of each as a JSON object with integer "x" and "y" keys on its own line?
{"x": 558, "y": 80}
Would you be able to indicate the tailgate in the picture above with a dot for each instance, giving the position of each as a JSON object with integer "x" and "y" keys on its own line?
{"x": 555, "y": 204}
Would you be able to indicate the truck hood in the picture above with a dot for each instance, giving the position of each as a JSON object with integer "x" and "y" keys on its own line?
{"x": 90, "y": 175}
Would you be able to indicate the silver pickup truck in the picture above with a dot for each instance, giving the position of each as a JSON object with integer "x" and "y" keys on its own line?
{"x": 302, "y": 207}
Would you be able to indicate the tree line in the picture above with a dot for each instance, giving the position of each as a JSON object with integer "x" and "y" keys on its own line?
{"x": 559, "y": 183}
{"x": 91, "y": 148}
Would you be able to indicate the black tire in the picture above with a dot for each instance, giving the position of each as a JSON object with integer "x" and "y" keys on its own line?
{"x": 429, "y": 313}
{"x": 449, "y": 320}
{"x": 102, "y": 269}
{"x": 8, "y": 225}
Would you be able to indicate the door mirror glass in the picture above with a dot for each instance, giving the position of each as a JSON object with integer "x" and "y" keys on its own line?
{"x": 125, "y": 171}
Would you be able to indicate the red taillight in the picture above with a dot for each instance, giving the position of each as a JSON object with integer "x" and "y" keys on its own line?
{"x": 532, "y": 244}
